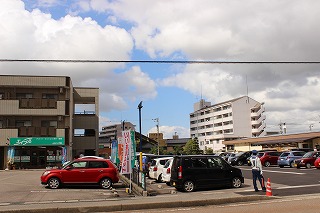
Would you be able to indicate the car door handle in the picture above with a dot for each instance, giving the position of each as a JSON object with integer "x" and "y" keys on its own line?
{"x": 100, "y": 170}
{"x": 82, "y": 171}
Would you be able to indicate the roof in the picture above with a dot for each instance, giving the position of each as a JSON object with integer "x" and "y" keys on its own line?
{"x": 284, "y": 141}
{"x": 290, "y": 138}
{"x": 177, "y": 141}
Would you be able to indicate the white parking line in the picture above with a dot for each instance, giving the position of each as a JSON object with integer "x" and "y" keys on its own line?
{"x": 264, "y": 171}
{"x": 300, "y": 186}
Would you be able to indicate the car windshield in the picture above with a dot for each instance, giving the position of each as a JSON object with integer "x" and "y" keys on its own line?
{"x": 239, "y": 154}
{"x": 285, "y": 154}
{"x": 308, "y": 155}
{"x": 260, "y": 154}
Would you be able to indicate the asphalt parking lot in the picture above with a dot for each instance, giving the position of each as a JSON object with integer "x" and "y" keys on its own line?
{"x": 23, "y": 186}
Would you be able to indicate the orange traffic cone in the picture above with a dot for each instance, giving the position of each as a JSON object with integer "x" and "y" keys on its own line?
{"x": 268, "y": 191}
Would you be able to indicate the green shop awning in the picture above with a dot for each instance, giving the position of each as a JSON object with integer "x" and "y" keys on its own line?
{"x": 41, "y": 141}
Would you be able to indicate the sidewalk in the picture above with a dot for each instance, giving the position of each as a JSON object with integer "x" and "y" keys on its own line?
{"x": 162, "y": 200}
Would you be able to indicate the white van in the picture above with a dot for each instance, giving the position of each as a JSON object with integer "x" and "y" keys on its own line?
{"x": 166, "y": 172}
{"x": 155, "y": 169}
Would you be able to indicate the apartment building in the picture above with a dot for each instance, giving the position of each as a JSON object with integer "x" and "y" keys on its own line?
{"x": 234, "y": 119}
{"x": 109, "y": 133}
{"x": 40, "y": 123}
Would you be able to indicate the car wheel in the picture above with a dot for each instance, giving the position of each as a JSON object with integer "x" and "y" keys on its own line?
{"x": 267, "y": 164}
{"x": 239, "y": 163}
{"x": 292, "y": 164}
{"x": 188, "y": 186}
{"x": 105, "y": 183}
{"x": 283, "y": 166}
{"x": 308, "y": 165}
{"x": 54, "y": 183}
{"x": 236, "y": 182}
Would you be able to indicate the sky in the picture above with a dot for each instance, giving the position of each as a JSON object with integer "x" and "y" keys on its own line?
{"x": 193, "y": 30}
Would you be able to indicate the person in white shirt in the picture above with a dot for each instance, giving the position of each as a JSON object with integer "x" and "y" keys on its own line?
{"x": 257, "y": 171}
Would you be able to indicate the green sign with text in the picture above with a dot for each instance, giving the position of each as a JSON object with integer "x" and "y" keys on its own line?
{"x": 44, "y": 141}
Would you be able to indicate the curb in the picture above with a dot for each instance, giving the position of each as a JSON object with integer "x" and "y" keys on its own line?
{"x": 144, "y": 205}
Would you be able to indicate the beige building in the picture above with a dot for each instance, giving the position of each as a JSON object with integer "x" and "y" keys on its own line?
{"x": 44, "y": 121}
{"x": 308, "y": 140}
{"x": 237, "y": 118}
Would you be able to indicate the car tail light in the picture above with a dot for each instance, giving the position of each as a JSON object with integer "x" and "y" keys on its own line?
{"x": 180, "y": 172}
{"x": 155, "y": 169}
{"x": 168, "y": 170}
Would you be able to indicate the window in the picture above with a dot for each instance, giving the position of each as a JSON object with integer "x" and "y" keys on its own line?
{"x": 50, "y": 96}
{"x": 1, "y": 124}
{"x": 81, "y": 164}
{"x": 24, "y": 95}
{"x": 1, "y": 96}
{"x": 49, "y": 123}
{"x": 23, "y": 123}
{"x": 199, "y": 162}
{"x": 215, "y": 163}
{"x": 98, "y": 164}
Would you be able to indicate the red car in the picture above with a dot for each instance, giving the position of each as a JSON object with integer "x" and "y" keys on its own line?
{"x": 269, "y": 158}
{"x": 317, "y": 163}
{"x": 307, "y": 159}
{"x": 86, "y": 170}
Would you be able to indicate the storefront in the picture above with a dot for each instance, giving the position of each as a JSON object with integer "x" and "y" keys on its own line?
{"x": 36, "y": 153}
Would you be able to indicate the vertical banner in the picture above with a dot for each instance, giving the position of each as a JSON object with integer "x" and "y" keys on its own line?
{"x": 10, "y": 155}
{"x": 120, "y": 149}
{"x": 114, "y": 152}
{"x": 126, "y": 157}
{"x": 64, "y": 155}
{"x": 133, "y": 149}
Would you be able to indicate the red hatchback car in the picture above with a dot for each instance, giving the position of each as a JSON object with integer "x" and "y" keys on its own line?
{"x": 269, "y": 158}
{"x": 307, "y": 159}
{"x": 86, "y": 170}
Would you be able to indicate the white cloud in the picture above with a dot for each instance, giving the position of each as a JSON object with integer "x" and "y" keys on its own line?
{"x": 36, "y": 35}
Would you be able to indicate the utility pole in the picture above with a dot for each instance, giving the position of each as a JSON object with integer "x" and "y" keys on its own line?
{"x": 157, "y": 120}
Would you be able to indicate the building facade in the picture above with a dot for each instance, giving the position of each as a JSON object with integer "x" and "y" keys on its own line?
{"x": 109, "y": 133}
{"x": 39, "y": 121}
{"x": 237, "y": 118}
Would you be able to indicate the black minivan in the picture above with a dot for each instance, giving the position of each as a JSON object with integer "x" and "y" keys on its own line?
{"x": 191, "y": 172}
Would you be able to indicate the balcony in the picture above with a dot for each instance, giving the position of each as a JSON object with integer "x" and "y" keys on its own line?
{"x": 258, "y": 113}
{"x": 256, "y": 122}
{"x": 259, "y": 129}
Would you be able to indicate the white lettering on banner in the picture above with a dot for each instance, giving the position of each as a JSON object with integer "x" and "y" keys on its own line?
{"x": 126, "y": 159}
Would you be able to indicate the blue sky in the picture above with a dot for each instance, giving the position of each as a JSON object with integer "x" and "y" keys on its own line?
{"x": 224, "y": 30}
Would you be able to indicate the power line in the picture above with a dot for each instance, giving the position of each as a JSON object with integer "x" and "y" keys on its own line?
{"x": 156, "y": 61}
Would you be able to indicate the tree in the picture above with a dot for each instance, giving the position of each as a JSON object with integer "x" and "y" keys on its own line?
{"x": 192, "y": 147}
{"x": 209, "y": 151}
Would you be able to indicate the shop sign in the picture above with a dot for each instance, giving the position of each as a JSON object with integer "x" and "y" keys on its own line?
{"x": 43, "y": 141}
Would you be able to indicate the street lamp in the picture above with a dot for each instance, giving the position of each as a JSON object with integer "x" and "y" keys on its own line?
{"x": 140, "y": 107}
{"x": 157, "y": 120}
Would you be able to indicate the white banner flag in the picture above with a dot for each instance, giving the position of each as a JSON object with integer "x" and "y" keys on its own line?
{"x": 126, "y": 157}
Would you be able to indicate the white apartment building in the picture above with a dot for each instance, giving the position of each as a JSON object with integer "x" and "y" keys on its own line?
{"x": 234, "y": 119}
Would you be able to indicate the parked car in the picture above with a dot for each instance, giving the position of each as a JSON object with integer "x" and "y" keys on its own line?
{"x": 287, "y": 158}
{"x": 269, "y": 158}
{"x": 156, "y": 166}
{"x": 191, "y": 172}
{"x": 240, "y": 158}
{"x": 166, "y": 172}
{"x": 230, "y": 157}
{"x": 85, "y": 170}
{"x": 307, "y": 160}
{"x": 317, "y": 163}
